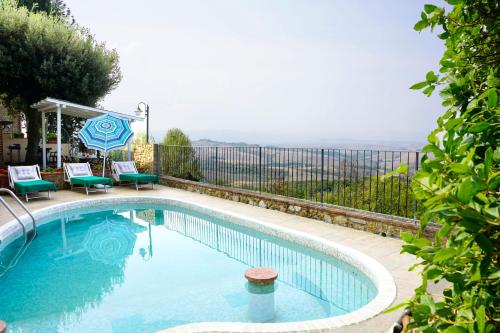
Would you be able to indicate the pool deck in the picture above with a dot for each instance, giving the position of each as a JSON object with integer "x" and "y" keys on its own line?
{"x": 385, "y": 250}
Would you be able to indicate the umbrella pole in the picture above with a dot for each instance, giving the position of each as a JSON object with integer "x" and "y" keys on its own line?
{"x": 104, "y": 164}
{"x": 105, "y": 150}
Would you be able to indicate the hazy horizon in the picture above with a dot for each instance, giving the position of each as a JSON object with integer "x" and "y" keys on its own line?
{"x": 295, "y": 71}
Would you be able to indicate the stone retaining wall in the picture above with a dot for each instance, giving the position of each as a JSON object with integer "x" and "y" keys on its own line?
{"x": 381, "y": 224}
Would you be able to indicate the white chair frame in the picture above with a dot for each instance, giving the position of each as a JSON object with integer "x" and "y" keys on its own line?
{"x": 13, "y": 179}
{"x": 68, "y": 174}
{"x": 115, "y": 171}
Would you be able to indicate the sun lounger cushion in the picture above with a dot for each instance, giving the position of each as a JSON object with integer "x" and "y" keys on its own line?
{"x": 139, "y": 178}
{"x": 34, "y": 186}
{"x": 91, "y": 180}
{"x": 25, "y": 173}
{"x": 79, "y": 169}
{"x": 126, "y": 167}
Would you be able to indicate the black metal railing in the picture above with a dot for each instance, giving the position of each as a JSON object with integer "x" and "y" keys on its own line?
{"x": 343, "y": 177}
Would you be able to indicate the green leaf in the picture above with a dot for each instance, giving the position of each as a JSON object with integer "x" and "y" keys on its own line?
{"x": 419, "y": 85}
{"x": 480, "y": 319}
{"x": 456, "y": 329}
{"x": 395, "y": 307}
{"x": 444, "y": 254}
{"x": 433, "y": 273}
{"x": 468, "y": 189}
{"x": 460, "y": 168}
{"x": 428, "y": 91}
{"x": 421, "y": 312}
{"x": 431, "y": 77}
{"x": 422, "y": 242}
{"x": 421, "y": 25}
{"x": 493, "y": 211}
{"x": 447, "y": 63}
{"x": 429, "y": 8}
{"x": 444, "y": 231}
{"x": 453, "y": 123}
{"x": 407, "y": 237}
{"x": 402, "y": 169}
{"x": 444, "y": 35}
{"x": 427, "y": 300}
{"x": 479, "y": 127}
{"x": 485, "y": 244}
{"x": 475, "y": 273}
{"x": 492, "y": 98}
{"x": 488, "y": 160}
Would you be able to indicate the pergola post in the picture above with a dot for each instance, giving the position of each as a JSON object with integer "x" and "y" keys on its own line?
{"x": 44, "y": 141}
{"x": 59, "y": 141}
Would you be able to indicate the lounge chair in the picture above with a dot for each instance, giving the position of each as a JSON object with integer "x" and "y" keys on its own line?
{"x": 27, "y": 179}
{"x": 127, "y": 172}
{"x": 80, "y": 175}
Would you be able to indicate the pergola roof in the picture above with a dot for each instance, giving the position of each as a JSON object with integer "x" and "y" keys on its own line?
{"x": 77, "y": 110}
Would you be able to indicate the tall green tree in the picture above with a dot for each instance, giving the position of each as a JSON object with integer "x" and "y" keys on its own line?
{"x": 179, "y": 156}
{"x": 458, "y": 185}
{"x": 45, "y": 55}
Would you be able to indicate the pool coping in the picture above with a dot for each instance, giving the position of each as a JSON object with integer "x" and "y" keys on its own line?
{"x": 375, "y": 271}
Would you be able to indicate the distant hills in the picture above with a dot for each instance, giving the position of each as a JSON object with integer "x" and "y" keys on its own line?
{"x": 341, "y": 144}
{"x": 213, "y": 143}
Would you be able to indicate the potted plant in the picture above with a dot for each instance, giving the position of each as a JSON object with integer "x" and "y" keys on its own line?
{"x": 55, "y": 175}
{"x": 4, "y": 178}
{"x": 51, "y": 137}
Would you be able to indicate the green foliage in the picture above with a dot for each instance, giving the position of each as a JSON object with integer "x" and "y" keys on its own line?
{"x": 52, "y": 7}
{"x": 140, "y": 139}
{"x": 179, "y": 157}
{"x": 122, "y": 154}
{"x": 392, "y": 196}
{"x": 458, "y": 184}
{"x": 175, "y": 137}
{"x": 45, "y": 55}
{"x": 51, "y": 136}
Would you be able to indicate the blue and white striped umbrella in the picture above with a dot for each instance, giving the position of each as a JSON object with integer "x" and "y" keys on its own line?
{"x": 106, "y": 133}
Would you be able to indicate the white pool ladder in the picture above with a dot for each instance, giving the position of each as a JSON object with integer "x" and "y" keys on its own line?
{"x": 27, "y": 235}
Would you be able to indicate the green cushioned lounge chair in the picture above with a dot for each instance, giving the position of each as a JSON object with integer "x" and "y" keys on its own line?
{"x": 127, "y": 172}
{"x": 79, "y": 175}
{"x": 27, "y": 180}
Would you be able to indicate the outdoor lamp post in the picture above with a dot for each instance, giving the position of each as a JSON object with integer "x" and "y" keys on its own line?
{"x": 143, "y": 107}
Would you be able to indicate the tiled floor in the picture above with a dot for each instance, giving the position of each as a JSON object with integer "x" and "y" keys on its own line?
{"x": 385, "y": 250}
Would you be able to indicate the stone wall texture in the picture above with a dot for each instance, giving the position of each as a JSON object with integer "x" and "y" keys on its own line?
{"x": 391, "y": 226}
{"x": 143, "y": 157}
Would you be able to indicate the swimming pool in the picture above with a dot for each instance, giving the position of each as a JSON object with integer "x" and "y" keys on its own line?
{"x": 140, "y": 265}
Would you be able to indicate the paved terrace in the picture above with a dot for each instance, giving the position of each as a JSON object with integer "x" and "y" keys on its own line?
{"x": 384, "y": 250}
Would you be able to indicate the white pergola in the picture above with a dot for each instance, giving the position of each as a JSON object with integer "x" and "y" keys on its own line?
{"x": 71, "y": 109}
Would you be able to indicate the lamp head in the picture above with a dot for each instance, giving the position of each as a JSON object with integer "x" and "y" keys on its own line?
{"x": 141, "y": 109}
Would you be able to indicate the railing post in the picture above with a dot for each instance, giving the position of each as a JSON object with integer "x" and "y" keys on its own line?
{"x": 157, "y": 160}
{"x": 216, "y": 164}
{"x": 415, "y": 199}
{"x": 260, "y": 169}
{"x": 322, "y": 172}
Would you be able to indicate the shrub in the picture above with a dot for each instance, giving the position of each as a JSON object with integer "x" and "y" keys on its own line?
{"x": 179, "y": 157}
{"x": 458, "y": 185}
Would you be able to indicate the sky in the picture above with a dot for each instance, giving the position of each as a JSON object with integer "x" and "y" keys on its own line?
{"x": 271, "y": 71}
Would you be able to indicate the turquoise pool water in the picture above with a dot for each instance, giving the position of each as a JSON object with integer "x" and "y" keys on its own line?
{"x": 143, "y": 268}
